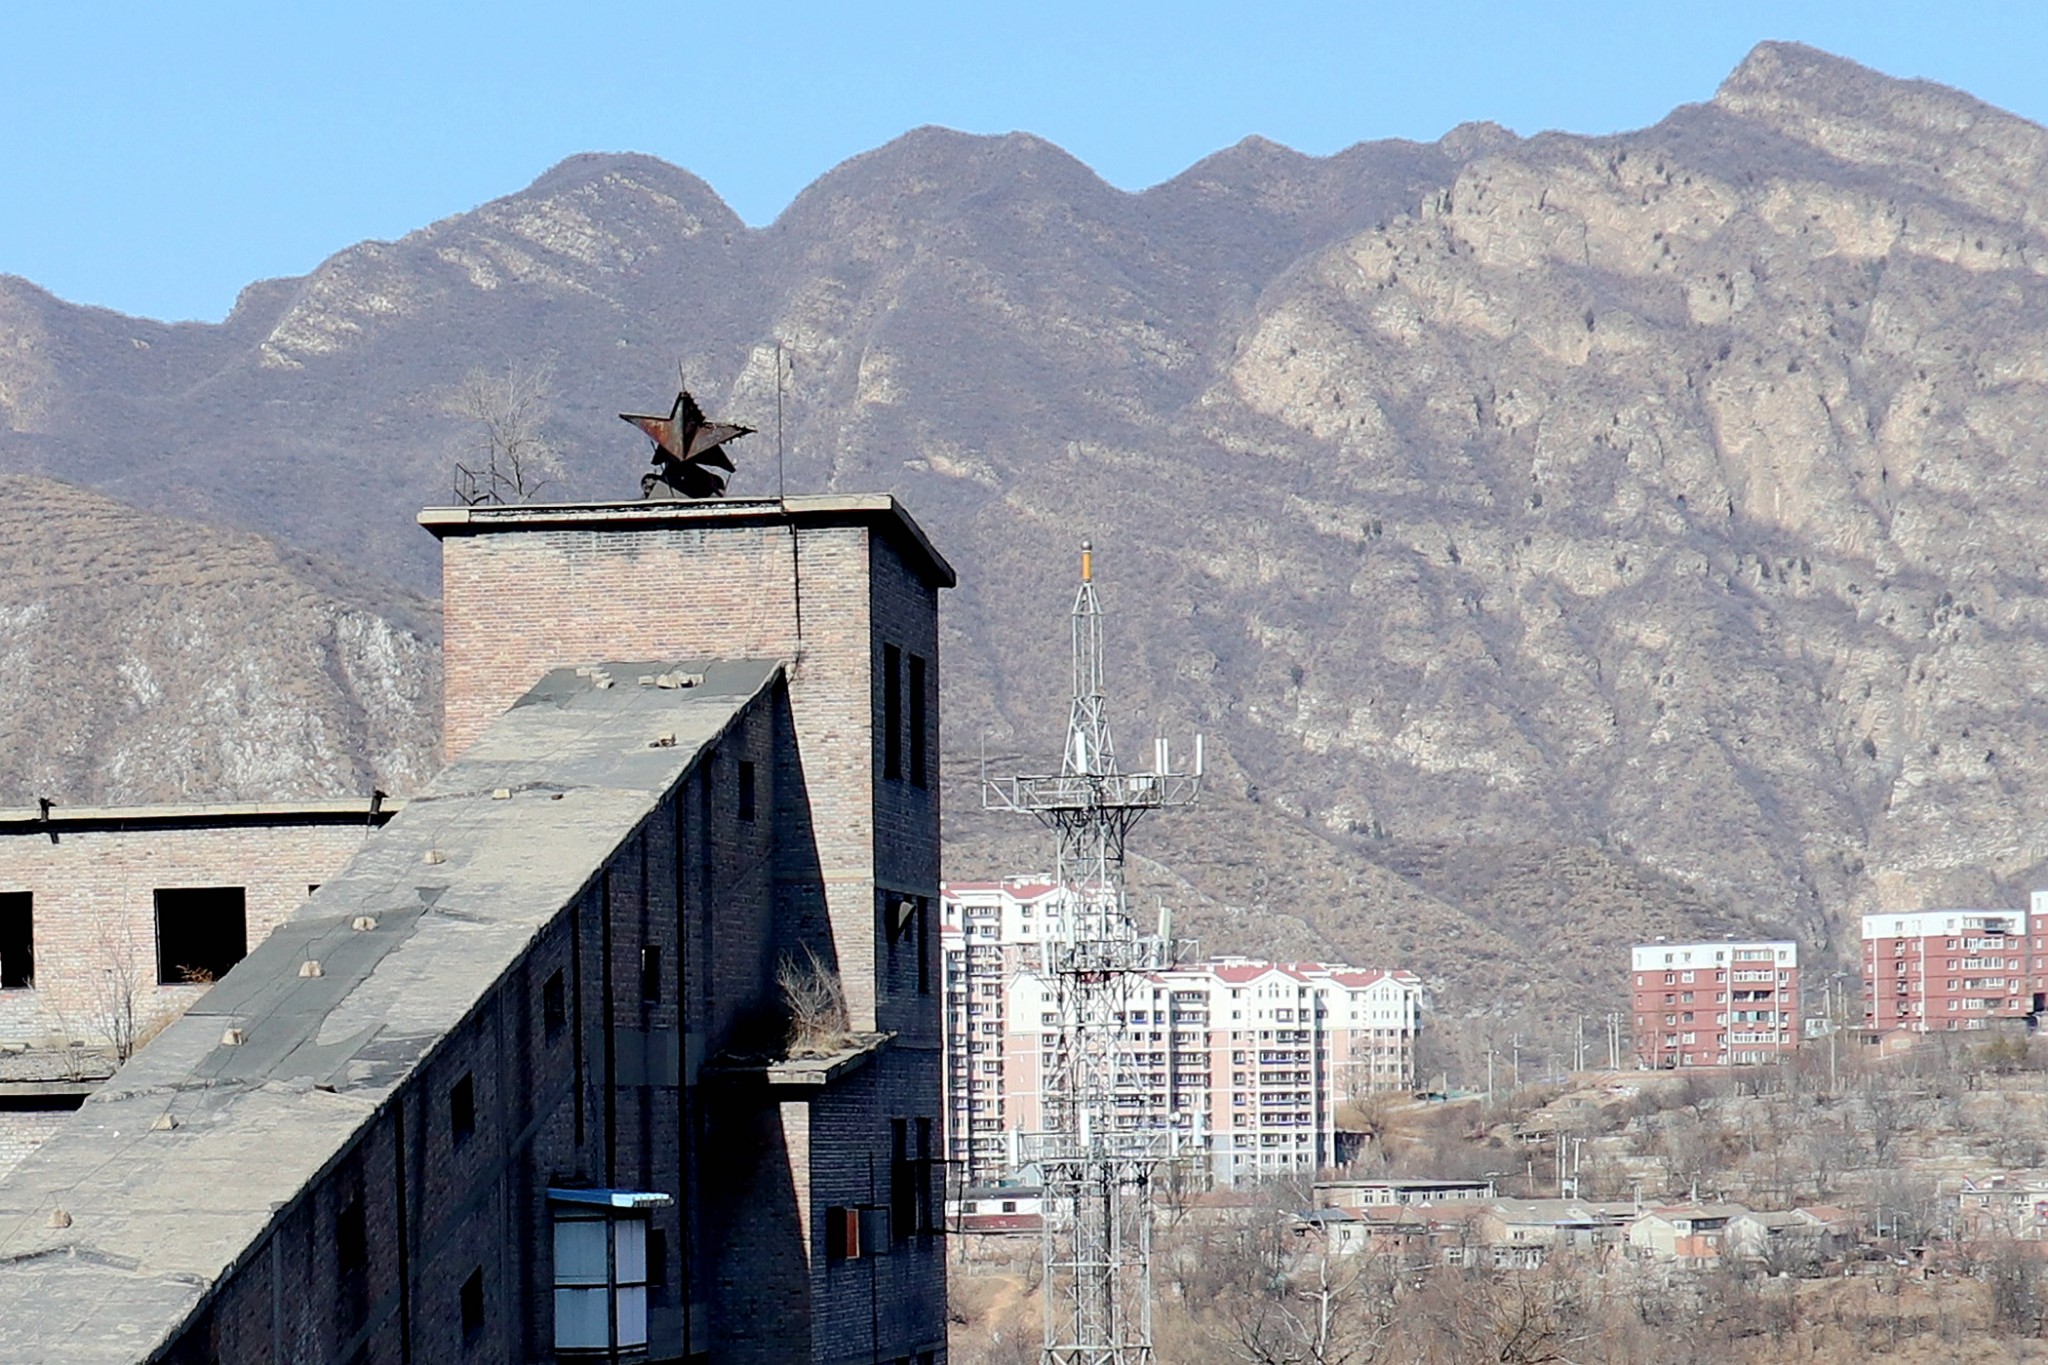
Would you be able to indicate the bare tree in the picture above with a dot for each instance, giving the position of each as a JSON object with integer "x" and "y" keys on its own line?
{"x": 115, "y": 982}
{"x": 1323, "y": 1313}
{"x": 515, "y": 459}
{"x": 2019, "y": 1295}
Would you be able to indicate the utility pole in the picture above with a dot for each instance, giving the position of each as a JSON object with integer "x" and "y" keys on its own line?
{"x": 1515, "y": 1042}
{"x": 1098, "y": 1163}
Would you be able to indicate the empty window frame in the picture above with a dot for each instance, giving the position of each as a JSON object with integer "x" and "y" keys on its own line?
{"x": 554, "y": 1010}
{"x": 473, "y": 1304}
{"x": 917, "y": 721}
{"x": 924, "y": 945}
{"x": 201, "y": 932}
{"x": 351, "y": 1237}
{"x": 600, "y": 1282}
{"x": 462, "y": 1110}
{"x": 892, "y": 711}
{"x": 17, "y": 941}
{"x": 855, "y": 1231}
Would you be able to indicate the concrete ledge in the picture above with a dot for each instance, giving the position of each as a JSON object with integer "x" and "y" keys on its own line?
{"x": 881, "y": 510}
{"x": 62, "y": 818}
{"x": 800, "y": 1074}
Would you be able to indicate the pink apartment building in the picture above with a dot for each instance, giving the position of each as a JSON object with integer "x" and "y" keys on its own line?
{"x": 1244, "y": 1062}
{"x": 1933, "y": 971}
{"x": 1715, "y": 1004}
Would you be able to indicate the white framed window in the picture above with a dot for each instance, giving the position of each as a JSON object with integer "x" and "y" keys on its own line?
{"x": 601, "y": 1281}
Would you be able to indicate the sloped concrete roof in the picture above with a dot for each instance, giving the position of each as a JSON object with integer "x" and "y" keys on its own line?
{"x": 460, "y": 883}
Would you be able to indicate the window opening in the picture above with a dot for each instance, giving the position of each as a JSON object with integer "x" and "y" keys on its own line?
{"x": 201, "y": 932}
{"x": 902, "y": 1182}
{"x": 351, "y": 1237}
{"x": 854, "y": 1231}
{"x": 650, "y": 972}
{"x": 473, "y": 1304}
{"x": 924, "y": 945}
{"x": 657, "y": 1265}
{"x": 554, "y": 1011}
{"x": 892, "y": 711}
{"x": 462, "y": 1109}
{"x": 917, "y": 706}
{"x": 17, "y": 941}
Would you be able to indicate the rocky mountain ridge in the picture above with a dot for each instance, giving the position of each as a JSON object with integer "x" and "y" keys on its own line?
{"x": 1649, "y": 520}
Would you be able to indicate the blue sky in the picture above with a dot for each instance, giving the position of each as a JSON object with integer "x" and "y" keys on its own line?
{"x": 155, "y": 158}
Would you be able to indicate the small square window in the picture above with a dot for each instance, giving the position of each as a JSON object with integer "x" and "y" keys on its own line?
{"x": 462, "y": 1110}
{"x": 201, "y": 932}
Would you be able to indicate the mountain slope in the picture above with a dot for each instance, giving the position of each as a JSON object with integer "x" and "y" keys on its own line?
{"x": 146, "y": 659}
{"x": 1647, "y": 522}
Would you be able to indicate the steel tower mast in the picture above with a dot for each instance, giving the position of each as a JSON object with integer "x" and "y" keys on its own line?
{"x": 1096, "y": 1156}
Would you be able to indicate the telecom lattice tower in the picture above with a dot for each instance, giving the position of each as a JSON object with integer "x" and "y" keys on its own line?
{"x": 1096, "y": 1156}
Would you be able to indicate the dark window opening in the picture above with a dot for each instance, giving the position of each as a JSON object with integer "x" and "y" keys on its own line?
{"x": 922, "y": 1175}
{"x": 351, "y": 1237}
{"x": 554, "y": 1012}
{"x": 650, "y": 972}
{"x": 311, "y": 887}
{"x": 917, "y": 754}
{"x": 201, "y": 932}
{"x": 924, "y": 945}
{"x": 462, "y": 1110}
{"x": 842, "y": 1234}
{"x": 853, "y": 1232}
{"x": 473, "y": 1304}
{"x": 657, "y": 1265}
{"x": 17, "y": 941}
{"x": 899, "y": 921}
{"x": 892, "y": 711}
{"x": 746, "y": 790}
{"x": 902, "y": 1182}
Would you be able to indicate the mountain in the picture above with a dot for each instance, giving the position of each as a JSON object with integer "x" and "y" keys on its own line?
{"x": 144, "y": 658}
{"x": 1561, "y": 540}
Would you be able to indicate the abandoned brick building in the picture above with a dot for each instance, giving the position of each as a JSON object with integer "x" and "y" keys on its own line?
{"x": 517, "y": 1081}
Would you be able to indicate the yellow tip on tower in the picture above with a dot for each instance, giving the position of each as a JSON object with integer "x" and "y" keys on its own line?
{"x": 1087, "y": 561}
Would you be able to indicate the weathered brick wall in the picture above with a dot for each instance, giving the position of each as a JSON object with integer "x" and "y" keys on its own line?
{"x": 524, "y": 594}
{"x": 891, "y": 1304}
{"x": 607, "y": 1099}
{"x": 95, "y": 909}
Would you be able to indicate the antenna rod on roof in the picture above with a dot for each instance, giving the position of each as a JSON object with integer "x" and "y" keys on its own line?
{"x": 780, "y": 495}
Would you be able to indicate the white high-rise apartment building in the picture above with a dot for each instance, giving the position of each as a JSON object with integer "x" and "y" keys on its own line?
{"x": 1241, "y": 1060}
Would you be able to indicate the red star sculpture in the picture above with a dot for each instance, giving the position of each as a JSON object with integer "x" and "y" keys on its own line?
{"x": 687, "y": 449}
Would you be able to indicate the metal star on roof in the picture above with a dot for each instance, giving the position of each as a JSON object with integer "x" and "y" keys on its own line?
{"x": 687, "y": 450}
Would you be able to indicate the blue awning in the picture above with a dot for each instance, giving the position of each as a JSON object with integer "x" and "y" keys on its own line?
{"x": 612, "y": 1199}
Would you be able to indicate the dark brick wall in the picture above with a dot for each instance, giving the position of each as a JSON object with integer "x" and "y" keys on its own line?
{"x": 625, "y": 1096}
